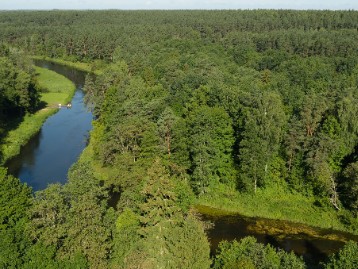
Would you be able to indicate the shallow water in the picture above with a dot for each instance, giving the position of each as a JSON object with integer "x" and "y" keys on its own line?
{"x": 313, "y": 244}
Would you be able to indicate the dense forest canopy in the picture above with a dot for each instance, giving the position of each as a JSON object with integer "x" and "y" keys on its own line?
{"x": 80, "y": 33}
{"x": 189, "y": 104}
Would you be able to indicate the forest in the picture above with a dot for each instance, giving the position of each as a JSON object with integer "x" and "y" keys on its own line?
{"x": 251, "y": 112}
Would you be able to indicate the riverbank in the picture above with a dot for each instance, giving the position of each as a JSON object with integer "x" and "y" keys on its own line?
{"x": 56, "y": 89}
{"x": 86, "y": 67}
{"x": 276, "y": 204}
{"x": 94, "y": 67}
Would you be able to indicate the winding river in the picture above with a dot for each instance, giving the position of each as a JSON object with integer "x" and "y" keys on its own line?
{"x": 48, "y": 156}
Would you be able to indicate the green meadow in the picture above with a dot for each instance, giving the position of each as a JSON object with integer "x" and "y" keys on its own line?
{"x": 55, "y": 88}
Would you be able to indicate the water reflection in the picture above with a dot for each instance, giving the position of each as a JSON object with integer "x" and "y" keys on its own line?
{"x": 28, "y": 158}
{"x": 313, "y": 244}
{"x": 76, "y": 76}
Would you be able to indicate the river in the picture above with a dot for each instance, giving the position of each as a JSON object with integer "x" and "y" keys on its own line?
{"x": 47, "y": 157}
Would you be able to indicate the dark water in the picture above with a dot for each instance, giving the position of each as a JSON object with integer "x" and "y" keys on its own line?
{"x": 49, "y": 154}
{"x": 313, "y": 244}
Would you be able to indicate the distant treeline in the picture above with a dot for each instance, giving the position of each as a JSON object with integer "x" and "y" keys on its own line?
{"x": 88, "y": 35}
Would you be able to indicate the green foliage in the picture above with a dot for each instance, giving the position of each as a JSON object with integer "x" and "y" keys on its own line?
{"x": 211, "y": 141}
{"x": 43, "y": 256}
{"x": 14, "y": 200}
{"x": 74, "y": 220}
{"x": 180, "y": 153}
{"x": 160, "y": 200}
{"x": 56, "y": 89}
{"x": 126, "y": 238}
{"x": 263, "y": 124}
{"x": 249, "y": 254}
{"x": 14, "y": 205}
{"x": 350, "y": 186}
{"x": 166, "y": 123}
{"x": 347, "y": 257}
{"x": 18, "y": 93}
{"x": 171, "y": 239}
{"x": 186, "y": 102}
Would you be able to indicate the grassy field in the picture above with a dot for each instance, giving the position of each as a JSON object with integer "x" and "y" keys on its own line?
{"x": 58, "y": 89}
{"x": 278, "y": 204}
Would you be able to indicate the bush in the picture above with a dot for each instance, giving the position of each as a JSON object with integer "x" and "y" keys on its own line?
{"x": 346, "y": 258}
{"x": 247, "y": 253}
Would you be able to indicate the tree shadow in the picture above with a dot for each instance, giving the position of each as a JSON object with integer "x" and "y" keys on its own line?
{"x": 7, "y": 124}
{"x": 11, "y": 120}
{"x": 42, "y": 105}
{"x": 314, "y": 256}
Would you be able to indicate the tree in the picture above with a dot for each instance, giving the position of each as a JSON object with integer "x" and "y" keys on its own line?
{"x": 125, "y": 239}
{"x": 18, "y": 93}
{"x": 346, "y": 258}
{"x": 171, "y": 238}
{"x": 166, "y": 123}
{"x": 349, "y": 187}
{"x": 211, "y": 141}
{"x": 249, "y": 254}
{"x": 263, "y": 122}
{"x": 72, "y": 221}
{"x": 15, "y": 201}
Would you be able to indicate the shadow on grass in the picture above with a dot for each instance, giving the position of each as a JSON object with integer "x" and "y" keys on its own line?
{"x": 42, "y": 105}
{"x": 8, "y": 123}
{"x": 11, "y": 121}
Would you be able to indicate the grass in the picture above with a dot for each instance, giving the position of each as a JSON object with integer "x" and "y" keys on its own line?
{"x": 279, "y": 228}
{"x": 58, "y": 90}
{"x": 88, "y": 155}
{"x": 274, "y": 203}
{"x": 18, "y": 137}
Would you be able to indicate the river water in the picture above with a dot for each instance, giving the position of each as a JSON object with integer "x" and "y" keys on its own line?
{"x": 48, "y": 155}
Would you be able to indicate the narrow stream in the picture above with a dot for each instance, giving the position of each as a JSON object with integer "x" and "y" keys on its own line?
{"x": 49, "y": 154}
